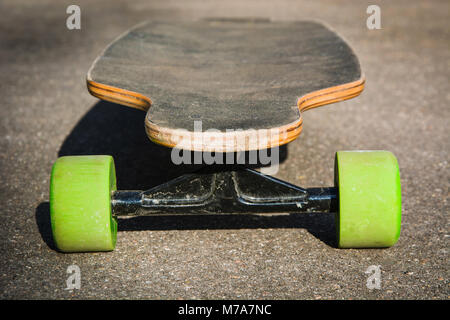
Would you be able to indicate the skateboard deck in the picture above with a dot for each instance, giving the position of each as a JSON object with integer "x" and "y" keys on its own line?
{"x": 247, "y": 81}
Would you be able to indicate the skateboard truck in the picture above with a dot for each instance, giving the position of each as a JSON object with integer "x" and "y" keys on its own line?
{"x": 242, "y": 191}
{"x": 84, "y": 202}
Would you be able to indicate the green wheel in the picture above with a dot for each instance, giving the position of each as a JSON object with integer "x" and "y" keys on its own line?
{"x": 369, "y": 214}
{"x": 80, "y": 203}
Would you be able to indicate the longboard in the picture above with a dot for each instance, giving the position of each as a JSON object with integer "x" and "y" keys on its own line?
{"x": 239, "y": 80}
{"x": 226, "y": 85}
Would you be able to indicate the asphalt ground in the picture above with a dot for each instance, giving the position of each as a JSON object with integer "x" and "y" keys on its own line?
{"x": 46, "y": 112}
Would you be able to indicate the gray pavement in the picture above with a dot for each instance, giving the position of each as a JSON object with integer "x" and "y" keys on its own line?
{"x": 46, "y": 112}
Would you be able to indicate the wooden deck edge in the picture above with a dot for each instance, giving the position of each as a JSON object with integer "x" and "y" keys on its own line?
{"x": 232, "y": 141}
{"x": 118, "y": 95}
{"x": 330, "y": 95}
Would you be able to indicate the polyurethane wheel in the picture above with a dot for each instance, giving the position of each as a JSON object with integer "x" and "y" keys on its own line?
{"x": 369, "y": 213}
{"x": 80, "y": 203}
